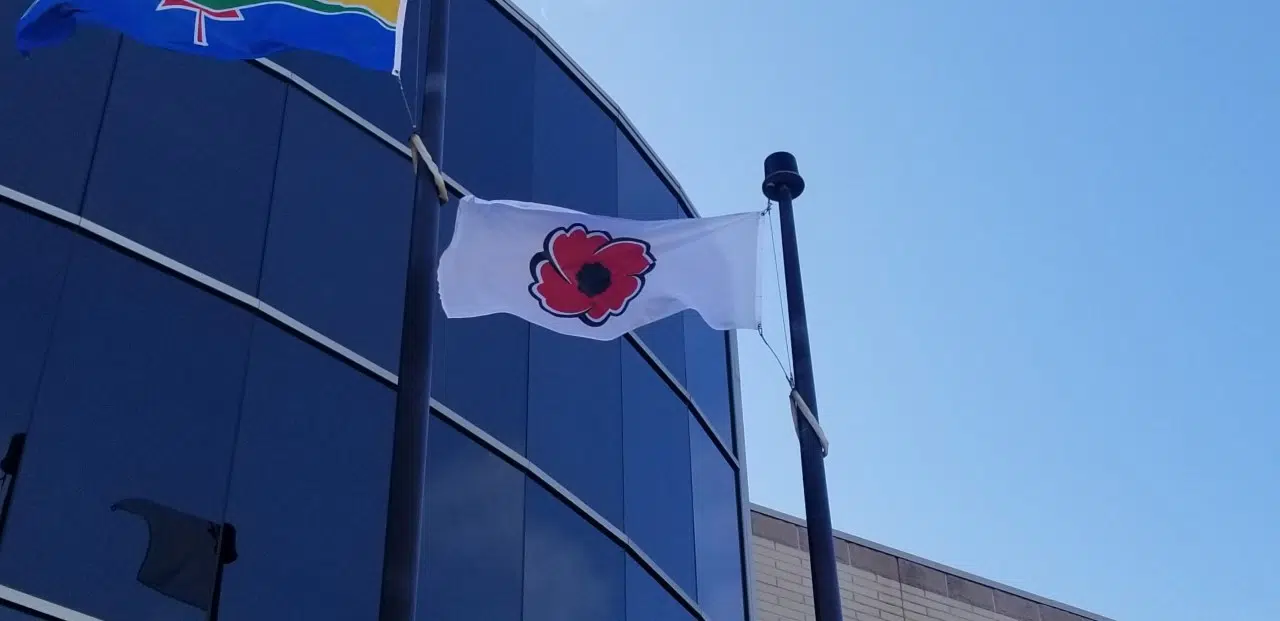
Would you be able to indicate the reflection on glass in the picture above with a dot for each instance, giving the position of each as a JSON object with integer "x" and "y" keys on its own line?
{"x": 473, "y": 556}
{"x": 649, "y": 601}
{"x": 125, "y": 410}
{"x": 308, "y": 492}
{"x": 658, "y": 483}
{"x": 201, "y": 201}
{"x": 50, "y": 111}
{"x": 572, "y": 571}
{"x": 185, "y": 553}
{"x": 575, "y": 416}
{"x": 717, "y": 526}
{"x": 574, "y": 144}
{"x": 33, "y": 261}
{"x": 338, "y": 242}
{"x": 488, "y": 138}
{"x": 707, "y": 352}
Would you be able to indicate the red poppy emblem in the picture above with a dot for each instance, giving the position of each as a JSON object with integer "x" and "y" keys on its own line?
{"x": 590, "y": 275}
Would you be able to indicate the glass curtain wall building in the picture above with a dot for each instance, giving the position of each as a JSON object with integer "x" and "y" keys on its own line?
{"x": 201, "y": 282}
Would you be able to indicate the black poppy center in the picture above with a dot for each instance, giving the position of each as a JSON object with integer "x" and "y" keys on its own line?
{"x": 593, "y": 279}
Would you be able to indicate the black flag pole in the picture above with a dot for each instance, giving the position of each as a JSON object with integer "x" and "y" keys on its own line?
{"x": 782, "y": 183}
{"x": 402, "y": 552}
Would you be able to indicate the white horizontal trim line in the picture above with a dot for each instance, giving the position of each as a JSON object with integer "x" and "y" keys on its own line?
{"x": 1039, "y": 599}
{"x": 112, "y": 238}
{"x": 31, "y": 602}
{"x": 533, "y": 471}
{"x": 607, "y": 103}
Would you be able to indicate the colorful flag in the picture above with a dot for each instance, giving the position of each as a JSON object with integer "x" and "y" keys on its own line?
{"x": 366, "y": 32}
{"x": 599, "y": 277}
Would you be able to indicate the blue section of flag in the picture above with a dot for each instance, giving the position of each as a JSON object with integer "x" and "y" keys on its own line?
{"x": 255, "y": 30}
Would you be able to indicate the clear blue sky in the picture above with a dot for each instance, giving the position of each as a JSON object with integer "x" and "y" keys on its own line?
{"x": 1041, "y": 244}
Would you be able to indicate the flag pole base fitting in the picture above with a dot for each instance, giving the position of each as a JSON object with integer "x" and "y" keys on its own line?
{"x": 420, "y": 154}
{"x": 800, "y": 410}
{"x": 780, "y": 171}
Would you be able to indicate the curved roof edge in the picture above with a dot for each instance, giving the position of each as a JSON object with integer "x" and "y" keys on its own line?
{"x": 606, "y": 103}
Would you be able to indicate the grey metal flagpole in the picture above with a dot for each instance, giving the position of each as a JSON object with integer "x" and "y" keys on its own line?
{"x": 402, "y": 554}
{"x": 782, "y": 182}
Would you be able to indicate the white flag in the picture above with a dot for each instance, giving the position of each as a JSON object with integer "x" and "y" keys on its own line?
{"x": 595, "y": 276}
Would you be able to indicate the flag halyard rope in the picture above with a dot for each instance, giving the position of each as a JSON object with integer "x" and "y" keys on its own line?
{"x": 799, "y": 409}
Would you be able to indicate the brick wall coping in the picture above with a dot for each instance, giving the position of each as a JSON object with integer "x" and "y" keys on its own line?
{"x": 921, "y": 573}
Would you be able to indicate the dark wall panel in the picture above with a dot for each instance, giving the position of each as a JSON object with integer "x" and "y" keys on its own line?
{"x": 707, "y": 374}
{"x": 575, "y": 416}
{"x": 308, "y": 493}
{"x": 50, "y": 110}
{"x": 658, "y": 481}
{"x": 649, "y": 601}
{"x": 473, "y": 556}
{"x": 489, "y": 120}
{"x": 140, "y": 401}
{"x": 718, "y": 531}
{"x": 186, "y": 159}
{"x": 33, "y": 260}
{"x": 338, "y": 240}
{"x": 574, "y": 144}
{"x": 572, "y": 571}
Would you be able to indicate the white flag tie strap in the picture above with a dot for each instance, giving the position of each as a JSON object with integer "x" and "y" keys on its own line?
{"x": 420, "y": 151}
{"x": 800, "y": 409}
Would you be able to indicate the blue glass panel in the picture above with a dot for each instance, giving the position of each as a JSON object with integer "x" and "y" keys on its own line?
{"x": 649, "y": 601}
{"x": 374, "y": 95}
{"x": 575, "y": 416}
{"x": 473, "y": 556}
{"x": 488, "y": 138}
{"x": 338, "y": 240}
{"x": 707, "y": 374}
{"x": 140, "y": 400}
{"x": 574, "y": 144}
{"x": 717, "y": 525}
{"x": 481, "y": 365}
{"x": 659, "y": 488}
{"x": 488, "y": 149}
{"x": 186, "y": 159}
{"x": 308, "y": 491}
{"x": 572, "y": 571}
{"x": 50, "y": 110}
{"x": 33, "y": 258}
{"x": 642, "y": 195}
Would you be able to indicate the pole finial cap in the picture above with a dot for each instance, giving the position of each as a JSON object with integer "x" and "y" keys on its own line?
{"x": 780, "y": 171}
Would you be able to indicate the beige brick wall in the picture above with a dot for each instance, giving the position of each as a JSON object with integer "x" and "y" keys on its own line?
{"x": 876, "y": 585}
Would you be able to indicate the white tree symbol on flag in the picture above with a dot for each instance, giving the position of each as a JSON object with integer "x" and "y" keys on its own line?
{"x": 202, "y": 13}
